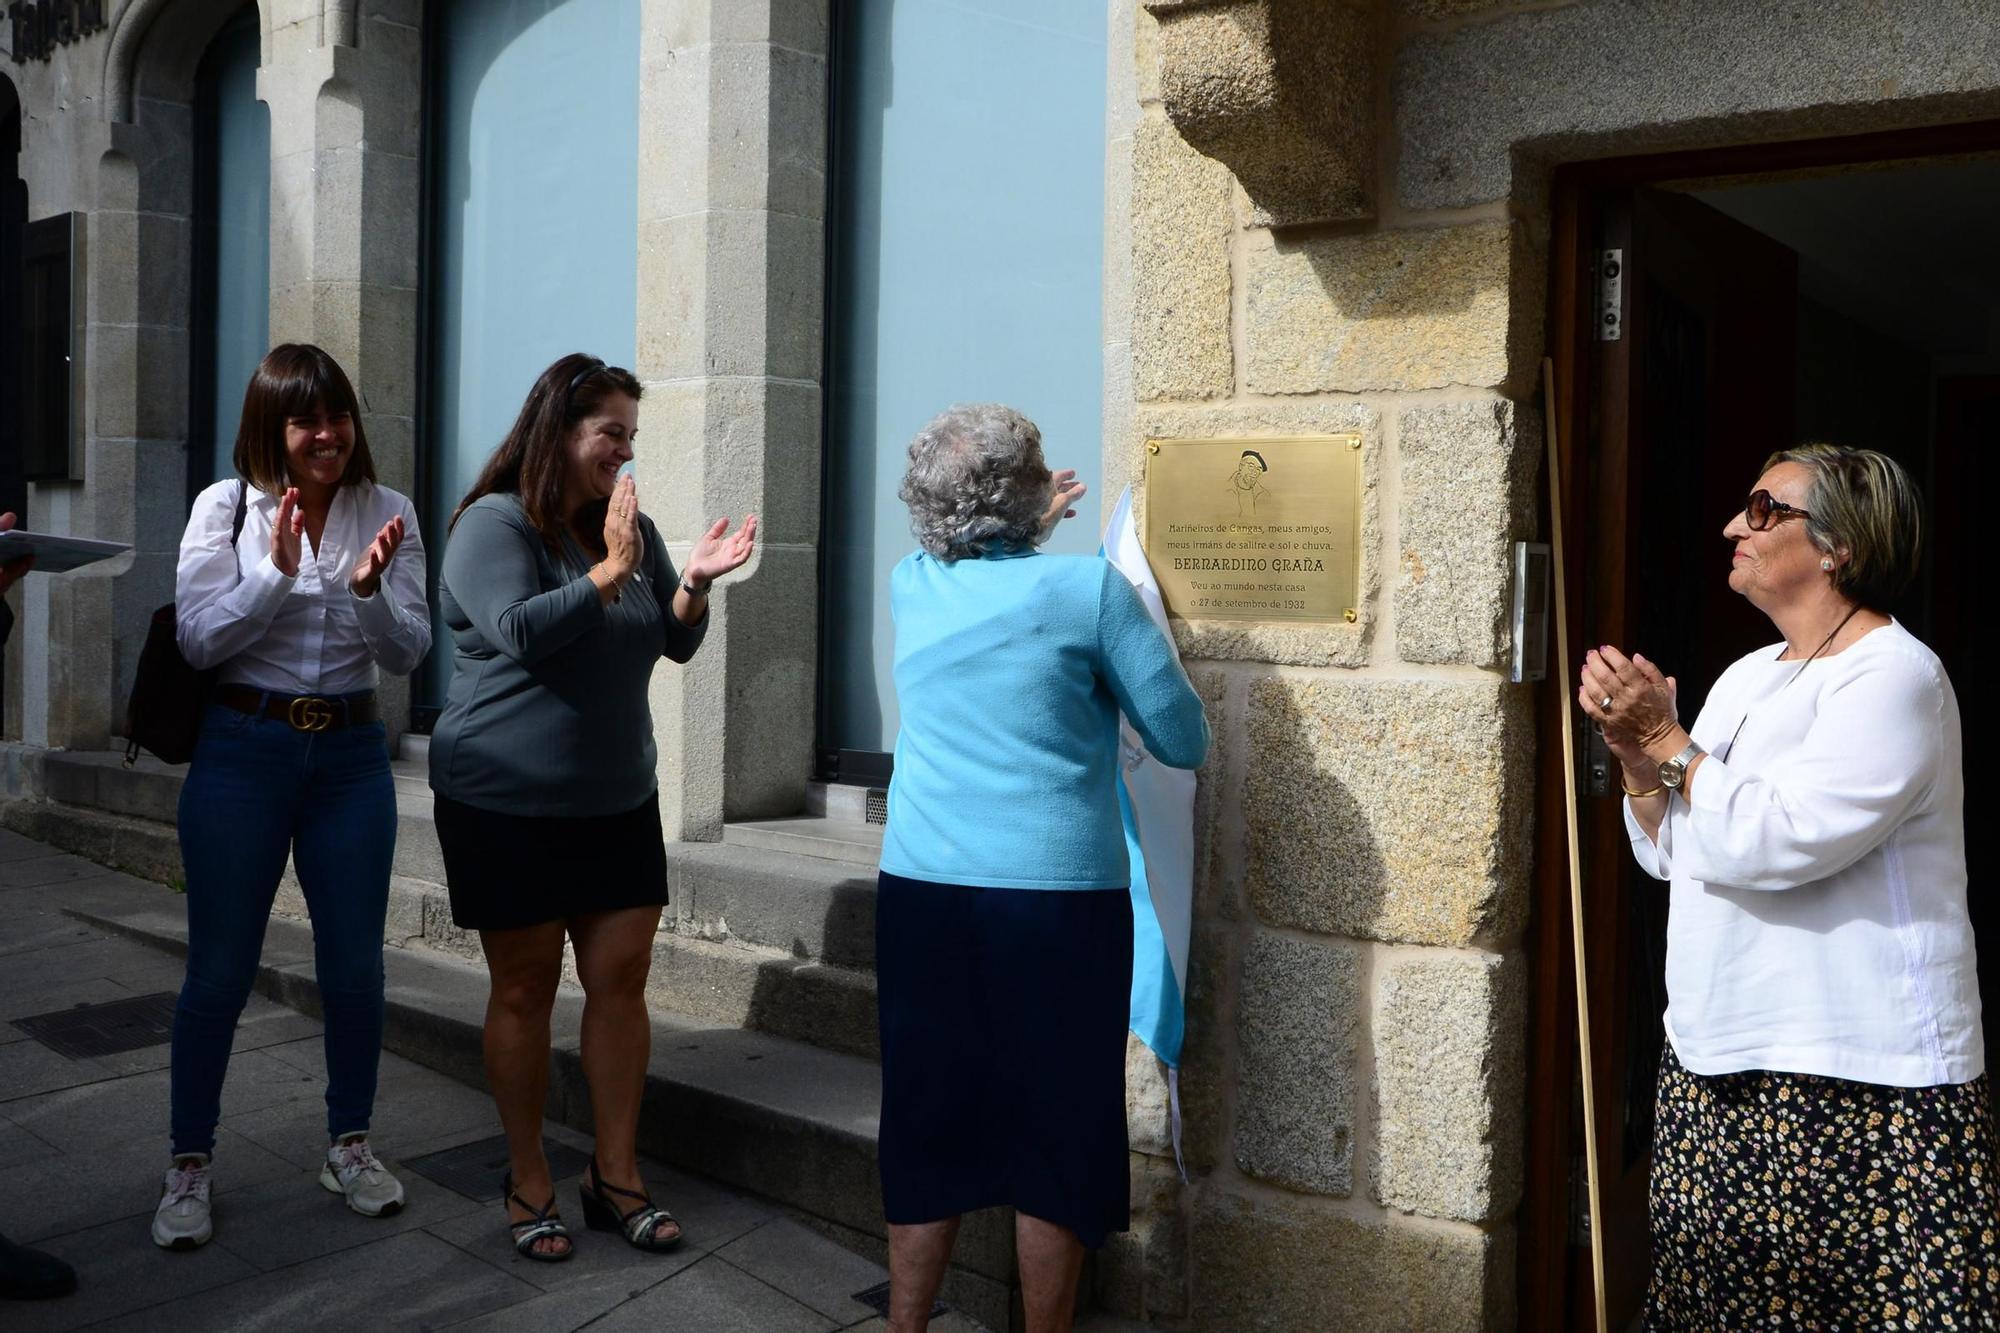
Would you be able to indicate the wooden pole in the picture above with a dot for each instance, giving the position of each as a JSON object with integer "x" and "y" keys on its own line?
{"x": 1593, "y": 1195}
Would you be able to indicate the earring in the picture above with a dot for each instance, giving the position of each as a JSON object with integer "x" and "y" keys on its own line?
{"x": 1826, "y": 565}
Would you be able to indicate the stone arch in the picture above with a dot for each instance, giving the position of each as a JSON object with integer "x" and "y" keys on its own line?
{"x": 148, "y": 59}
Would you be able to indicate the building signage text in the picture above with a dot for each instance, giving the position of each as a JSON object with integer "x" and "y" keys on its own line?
{"x": 38, "y": 27}
{"x": 1258, "y": 529}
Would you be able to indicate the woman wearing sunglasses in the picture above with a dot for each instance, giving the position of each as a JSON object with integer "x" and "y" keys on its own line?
{"x": 1824, "y": 1146}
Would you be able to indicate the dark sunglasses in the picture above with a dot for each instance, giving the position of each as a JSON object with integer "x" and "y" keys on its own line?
{"x": 1760, "y": 511}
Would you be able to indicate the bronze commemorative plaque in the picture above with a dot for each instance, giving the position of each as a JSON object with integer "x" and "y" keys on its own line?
{"x": 1256, "y": 529}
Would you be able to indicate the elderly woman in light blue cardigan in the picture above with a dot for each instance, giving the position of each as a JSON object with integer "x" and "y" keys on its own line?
{"x": 1004, "y": 918}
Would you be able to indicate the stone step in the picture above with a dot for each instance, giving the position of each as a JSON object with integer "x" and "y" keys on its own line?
{"x": 847, "y": 841}
{"x": 99, "y": 779}
{"x": 143, "y": 847}
{"x": 715, "y": 981}
{"x": 806, "y": 906}
{"x": 782, "y": 1119}
{"x": 755, "y": 936}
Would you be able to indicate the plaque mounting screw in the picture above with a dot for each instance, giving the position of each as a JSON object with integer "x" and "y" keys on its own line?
{"x": 1352, "y": 615}
{"x": 1152, "y": 446}
{"x": 1354, "y": 441}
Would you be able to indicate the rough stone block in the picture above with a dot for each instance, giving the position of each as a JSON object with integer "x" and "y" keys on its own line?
{"x": 1389, "y": 809}
{"x": 1181, "y": 224}
{"x": 759, "y": 454}
{"x": 1449, "y": 1065}
{"x": 772, "y": 678}
{"x": 1379, "y": 311}
{"x": 1142, "y": 1273}
{"x": 1445, "y": 9}
{"x": 1627, "y": 76}
{"x": 1205, "y": 1050}
{"x": 1468, "y": 474}
{"x": 1284, "y": 1264}
{"x": 1218, "y": 841}
{"x": 391, "y": 237}
{"x": 1148, "y": 1108}
{"x": 800, "y": 24}
{"x": 1298, "y": 1011}
{"x": 1282, "y": 92}
{"x": 1291, "y": 645}
{"x": 1146, "y": 55}
{"x": 441, "y": 934}
{"x": 730, "y": 294}
{"x": 733, "y": 126}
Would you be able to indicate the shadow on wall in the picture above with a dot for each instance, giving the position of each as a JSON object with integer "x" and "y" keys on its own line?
{"x": 1340, "y": 309}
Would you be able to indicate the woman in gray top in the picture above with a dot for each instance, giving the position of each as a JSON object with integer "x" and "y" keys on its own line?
{"x": 561, "y": 599}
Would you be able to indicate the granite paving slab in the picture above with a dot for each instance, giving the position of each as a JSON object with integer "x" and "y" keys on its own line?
{"x": 806, "y": 1266}
{"x": 120, "y": 1270}
{"x": 716, "y": 1298}
{"x": 408, "y": 1281}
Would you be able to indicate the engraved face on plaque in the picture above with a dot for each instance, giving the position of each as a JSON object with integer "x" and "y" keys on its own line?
{"x": 1256, "y": 529}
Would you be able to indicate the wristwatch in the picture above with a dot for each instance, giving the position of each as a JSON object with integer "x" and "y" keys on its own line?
{"x": 1673, "y": 772}
{"x": 689, "y": 585}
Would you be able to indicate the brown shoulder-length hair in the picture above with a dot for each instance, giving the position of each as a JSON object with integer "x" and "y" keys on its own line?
{"x": 533, "y": 460}
{"x": 294, "y": 379}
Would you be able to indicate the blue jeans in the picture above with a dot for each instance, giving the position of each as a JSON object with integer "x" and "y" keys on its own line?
{"x": 259, "y": 790}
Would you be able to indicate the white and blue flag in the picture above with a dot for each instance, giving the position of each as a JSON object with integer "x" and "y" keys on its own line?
{"x": 1157, "y": 803}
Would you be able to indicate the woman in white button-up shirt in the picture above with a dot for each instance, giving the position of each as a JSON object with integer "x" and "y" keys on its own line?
{"x": 322, "y": 587}
{"x": 1824, "y": 1149}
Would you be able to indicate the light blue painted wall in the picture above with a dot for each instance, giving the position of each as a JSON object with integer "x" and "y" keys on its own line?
{"x": 968, "y": 238}
{"x": 536, "y": 153}
{"x": 239, "y": 294}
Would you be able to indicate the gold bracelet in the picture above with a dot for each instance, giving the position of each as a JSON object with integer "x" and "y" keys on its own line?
{"x": 1653, "y": 790}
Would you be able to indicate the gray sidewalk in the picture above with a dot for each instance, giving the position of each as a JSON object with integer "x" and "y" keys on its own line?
{"x": 83, "y": 1144}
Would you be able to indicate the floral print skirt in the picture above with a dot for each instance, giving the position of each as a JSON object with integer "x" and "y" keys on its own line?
{"x": 1795, "y": 1201}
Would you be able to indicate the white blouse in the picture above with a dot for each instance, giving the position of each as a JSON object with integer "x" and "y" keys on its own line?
{"x": 1818, "y": 921}
{"x": 308, "y": 634}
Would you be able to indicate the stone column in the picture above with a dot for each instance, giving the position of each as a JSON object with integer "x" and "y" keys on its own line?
{"x": 732, "y": 190}
{"x": 128, "y": 173}
{"x": 344, "y": 81}
{"x": 1351, "y": 1079}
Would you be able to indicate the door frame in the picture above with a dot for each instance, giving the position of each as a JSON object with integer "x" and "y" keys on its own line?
{"x": 1554, "y": 1289}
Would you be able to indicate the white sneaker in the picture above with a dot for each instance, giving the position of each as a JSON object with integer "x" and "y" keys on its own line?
{"x": 181, "y": 1222}
{"x": 352, "y": 1169}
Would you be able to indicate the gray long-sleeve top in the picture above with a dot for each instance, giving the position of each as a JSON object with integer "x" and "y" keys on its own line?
{"x": 546, "y": 712}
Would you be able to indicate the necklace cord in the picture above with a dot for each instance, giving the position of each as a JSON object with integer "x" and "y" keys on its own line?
{"x": 1796, "y": 674}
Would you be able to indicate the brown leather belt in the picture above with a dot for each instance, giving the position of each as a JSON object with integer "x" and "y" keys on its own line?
{"x": 305, "y": 712}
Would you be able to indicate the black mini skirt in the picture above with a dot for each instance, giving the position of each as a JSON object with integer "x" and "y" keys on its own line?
{"x": 1003, "y": 1017}
{"x": 507, "y": 872}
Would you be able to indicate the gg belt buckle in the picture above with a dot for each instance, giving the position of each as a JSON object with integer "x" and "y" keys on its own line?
{"x": 310, "y": 714}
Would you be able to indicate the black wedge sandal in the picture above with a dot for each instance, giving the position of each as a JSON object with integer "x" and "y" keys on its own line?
{"x": 540, "y": 1224}
{"x": 638, "y": 1225}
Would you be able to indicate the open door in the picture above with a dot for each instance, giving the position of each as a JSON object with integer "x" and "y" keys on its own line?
{"x": 1689, "y": 345}
{"x": 1695, "y": 390}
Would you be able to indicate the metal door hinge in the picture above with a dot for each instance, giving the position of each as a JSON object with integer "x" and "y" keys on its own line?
{"x": 1596, "y": 762}
{"x": 1579, "y": 1202}
{"x": 1610, "y": 295}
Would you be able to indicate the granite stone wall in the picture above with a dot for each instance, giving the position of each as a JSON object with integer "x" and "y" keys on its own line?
{"x": 1313, "y": 232}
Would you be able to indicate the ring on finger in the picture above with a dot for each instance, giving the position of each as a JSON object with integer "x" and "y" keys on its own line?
{"x": 1606, "y": 703}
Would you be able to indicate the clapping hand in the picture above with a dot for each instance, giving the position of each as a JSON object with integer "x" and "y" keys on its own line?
{"x": 367, "y": 576}
{"x": 287, "y": 531}
{"x": 720, "y": 551}
{"x": 624, "y": 547}
{"x": 13, "y": 569}
{"x": 1633, "y": 703}
{"x": 1068, "y": 490}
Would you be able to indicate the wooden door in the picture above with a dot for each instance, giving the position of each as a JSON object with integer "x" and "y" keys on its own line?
{"x": 1694, "y": 393}
{"x": 1953, "y": 614}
